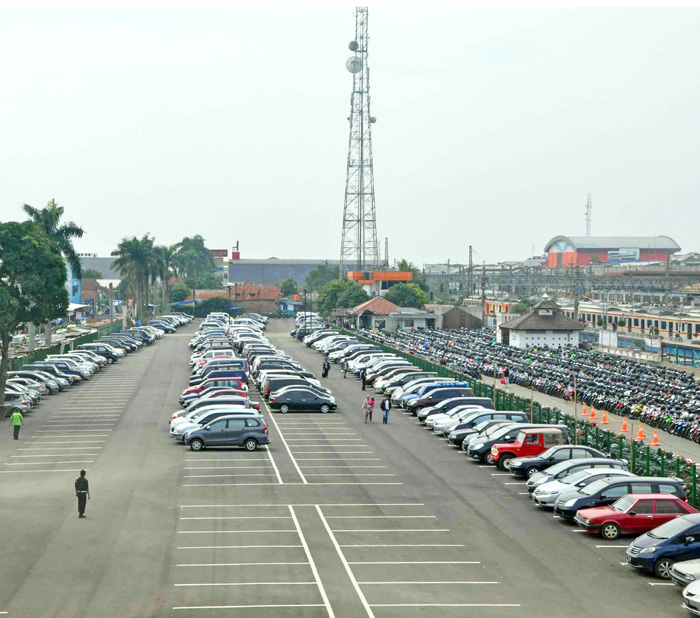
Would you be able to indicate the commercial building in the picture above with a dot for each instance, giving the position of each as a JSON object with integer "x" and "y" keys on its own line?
{"x": 250, "y": 298}
{"x": 376, "y": 283}
{"x": 273, "y": 270}
{"x": 543, "y": 326}
{"x": 570, "y": 251}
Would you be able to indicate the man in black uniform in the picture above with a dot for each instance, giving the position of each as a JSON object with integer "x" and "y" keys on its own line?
{"x": 82, "y": 491}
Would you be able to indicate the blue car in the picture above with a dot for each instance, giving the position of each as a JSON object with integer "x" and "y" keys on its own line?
{"x": 675, "y": 541}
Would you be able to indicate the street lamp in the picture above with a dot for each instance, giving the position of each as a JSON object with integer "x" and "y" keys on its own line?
{"x": 306, "y": 310}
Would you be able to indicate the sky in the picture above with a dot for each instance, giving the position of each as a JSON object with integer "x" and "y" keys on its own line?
{"x": 493, "y": 125}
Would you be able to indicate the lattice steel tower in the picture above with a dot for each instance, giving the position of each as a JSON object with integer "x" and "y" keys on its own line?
{"x": 359, "y": 248}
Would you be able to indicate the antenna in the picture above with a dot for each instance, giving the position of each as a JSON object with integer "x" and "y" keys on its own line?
{"x": 589, "y": 208}
{"x": 386, "y": 251}
{"x": 359, "y": 241}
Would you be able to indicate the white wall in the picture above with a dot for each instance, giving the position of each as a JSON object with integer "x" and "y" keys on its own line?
{"x": 520, "y": 339}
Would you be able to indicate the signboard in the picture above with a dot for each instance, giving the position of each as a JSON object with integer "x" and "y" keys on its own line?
{"x": 219, "y": 252}
{"x": 623, "y": 255}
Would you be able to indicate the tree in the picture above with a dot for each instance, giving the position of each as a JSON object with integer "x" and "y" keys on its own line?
{"x": 340, "y": 293}
{"x": 179, "y": 292}
{"x": 123, "y": 289}
{"x": 91, "y": 273}
{"x": 418, "y": 276}
{"x": 523, "y": 305}
{"x": 135, "y": 260}
{"x": 289, "y": 287}
{"x": 407, "y": 295}
{"x": 32, "y": 282}
{"x": 49, "y": 220}
{"x": 320, "y": 276}
{"x": 164, "y": 266}
{"x": 209, "y": 281}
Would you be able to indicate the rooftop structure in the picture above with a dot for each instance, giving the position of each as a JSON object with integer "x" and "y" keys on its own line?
{"x": 569, "y": 251}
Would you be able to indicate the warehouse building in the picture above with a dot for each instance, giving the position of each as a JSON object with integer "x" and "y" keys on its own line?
{"x": 570, "y": 251}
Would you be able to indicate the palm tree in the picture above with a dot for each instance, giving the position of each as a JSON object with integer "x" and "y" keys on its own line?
{"x": 165, "y": 267}
{"x": 193, "y": 259}
{"x": 135, "y": 259}
{"x": 49, "y": 220}
{"x": 418, "y": 276}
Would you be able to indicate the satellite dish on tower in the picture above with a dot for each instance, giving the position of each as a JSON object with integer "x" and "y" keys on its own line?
{"x": 353, "y": 46}
{"x": 354, "y": 65}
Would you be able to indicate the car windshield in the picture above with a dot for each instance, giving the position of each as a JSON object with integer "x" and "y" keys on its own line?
{"x": 575, "y": 478}
{"x": 623, "y": 504}
{"x": 594, "y": 487}
{"x": 556, "y": 468}
{"x": 548, "y": 453}
{"x": 498, "y": 432}
{"x": 671, "y": 528}
{"x": 481, "y": 426}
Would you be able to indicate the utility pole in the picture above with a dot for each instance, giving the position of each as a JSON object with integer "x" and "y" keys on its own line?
{"x": 589, "y": 209}
{"x": 483, "y": 293}
{"x": 470, "y": 273}
{"x": 576, "y": 291}
{"x": 111, "y": 303}
{"x": 575, "y": 413}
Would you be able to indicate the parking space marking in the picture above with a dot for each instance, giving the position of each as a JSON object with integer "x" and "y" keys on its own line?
{"x": 348, "y": 570}
{"x": 197, "y": 459}
{"x": 220, "y": 564}
{"x": 520, "y": 483}
{"x": 94, "y": 435}
{"x": 56, "y": 455}
{"x": 21, "y": 471}
{"x": 233, "y": 531}
{"x": 231, "y": 484}
{"x": 274, "y": 465}
{"x": 240, "y": 546}
{"x": 394, "y": 530}
{"x": 44, "y": 463}
{"x": 420, "y": 562}
{"x": 577, "y": 530}
{"x": 446, "y": 605}
{"x": 338, "y": 504}
{"x": 381, "y": 517}
{"x": 339, "y": 459}
{"x": 345, "y": 466}
{"x": 286, "y": 446}
{"x": 238, "y": 517}
{"x": 249, "y": 606}
{"x": 612, "y": 547}
{"x": 439, "y": 583}
{"x": 407, "y": 545}
{"x": 209, "y": 476}
{"x": 661, "y": 583}
{"x": 61, "y": 442}
{"x": 245, "y": 584}
{"x": 349, "y": 474}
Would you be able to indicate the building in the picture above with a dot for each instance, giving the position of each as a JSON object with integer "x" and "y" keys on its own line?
{"x": 449, "y": 317}
{"x": 543, "y": 326}
{"x": 94, "y": 295}
{"x": 376, "y": 283}
{"x": 103, "y": 265}
{"x": 569, "y": 251}
{"x": 274, "y": 270}
{"x": 378, "y": 313}
{"x": 250, "y": 298}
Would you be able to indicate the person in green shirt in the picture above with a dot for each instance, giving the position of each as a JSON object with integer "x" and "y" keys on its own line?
{"x": 17, "y": 422}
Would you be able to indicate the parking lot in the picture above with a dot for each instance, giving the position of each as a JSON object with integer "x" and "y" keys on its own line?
{"x": 335, "y": 518}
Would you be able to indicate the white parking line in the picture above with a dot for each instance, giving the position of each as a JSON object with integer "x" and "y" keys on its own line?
{"x": 208, "y": 476}
{"x": 46, "y": 463}
{"x": 223, "y": 564}
{"x": 197, "y": 459}
{"x": 520, "y": 483}
{"x": 94, "y": 435}
{"x": 279, "y": 431}
{"x": 612, "y": 547}
{"x": 407, "y": 545}
{"x": 420, "y": 562}
{"x": 338, "y": 459}
{"x": 446, "y": 605}
{"x": 248, "y": 606}
{"x": 231, "y": 531}
{"x": 381, "y": 517}
{"x": 352, "y": 474}
{"x": 327, "y": 439}
{"x": 348, "y": 570}
{"x": 222, "y": 468}
{"x": 394, "y": 530}
{"x": 501, "y": 474}
{"x": 661, "y": 583}
{"x": 21, "y": 471}
{"x": 338, "y": 504}
{"x": 245, "y": 584}
{"x": 309, "y": 557}
{"x": 365, "y": 483}
{"x": 56, "y": 455}
{"x": 274, "y": 465}
{"x": 240, "y": 546}
{"x": 345, "y": 466}
{"x": 239, "y": 517}
{"x": 232, "y": 484}
{"x": 422, "y": 583}
{"x": 62, "y": 442}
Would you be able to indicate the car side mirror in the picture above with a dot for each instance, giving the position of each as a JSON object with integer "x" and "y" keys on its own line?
{"x": 631, "y": 513}
{"x": 208, "y": 428}
{"x": 689, "y": 539}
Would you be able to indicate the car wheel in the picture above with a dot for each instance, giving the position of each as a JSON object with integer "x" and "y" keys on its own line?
{"x": 110, "y": 361}
{"x": 610, "y": 531}
{"x": 325, "y": 408}
{"x": 662, "y": 568}
{"x": 530, "y": 472}
{"x": 250, "y": 444}
{"x": 196, "y": 444}
{"x": 504, "y": 462}
{"x": 284, "y": 408}
{"x": 489, "y": 459}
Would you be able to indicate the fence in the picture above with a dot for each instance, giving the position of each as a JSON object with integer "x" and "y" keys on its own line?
{"x": 17, "y": 363}
{"x": 644, "y": 460}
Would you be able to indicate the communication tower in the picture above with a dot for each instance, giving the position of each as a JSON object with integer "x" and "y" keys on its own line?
{"x": 589, "y": 209}
{"x": 359, "y": 248}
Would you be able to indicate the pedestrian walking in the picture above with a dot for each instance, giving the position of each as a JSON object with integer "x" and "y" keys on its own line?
{"x": 370, "y": 408}
{"x": 363, "y": 377}
{"x": 345, "y": 367}
{"x": 17, "y": 422}
{"x": 82, "y": 491}
{"x": 365, "y": 408}
{"x": 385, "y": 406}
{"x": 326, "y": 368}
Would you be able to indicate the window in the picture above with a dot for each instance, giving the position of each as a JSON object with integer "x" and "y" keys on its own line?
{"x": 668, "y": 506}
{"x": 636, "y": 322}
{"x": 236, "y": 423}
{"x": 643, "y": 507}
{"x": 615, "y": 492}
{"x": 218, "y": 426}
{"x": 579, "y": 453}
{"x": 668, "y": 489}
{"x": 663, "y": 324}
{"x": 251, "y": 422}
{"x": 641, "y": 488}
{"x": 532, "y": 439}
{"x": 550, "y": 439}
{"x": 408, "y": 322}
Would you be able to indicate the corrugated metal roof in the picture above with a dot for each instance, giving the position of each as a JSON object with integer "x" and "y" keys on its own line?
{"x": 617, "y": 242}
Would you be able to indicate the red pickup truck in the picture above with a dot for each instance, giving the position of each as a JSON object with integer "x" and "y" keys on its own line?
{"x": 528, "y": 443}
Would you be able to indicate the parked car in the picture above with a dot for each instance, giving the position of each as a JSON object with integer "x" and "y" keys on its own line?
{"x": 480, "y": 447}
{"x": 571, "y": 466}
{"x": 458, "y": 436}
{"x": 632, "y": 514}
{"x": 546, "y": 494}
{"x": 444, "y": 406}
{"x": 243, "y": 430}
{"x": 527, "y": 466}
{"x": 294, "y": 398}
{"x": 607, "y": 491}
{"x": 686, "y": 572}
{"x": 529, "y": 442}
{"x": 657, "y": 550}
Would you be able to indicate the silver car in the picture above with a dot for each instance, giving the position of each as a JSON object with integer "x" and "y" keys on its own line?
{"x": 572, "y": 466}
{"x": 683, "y": 573}
{"x": 546, "y": 494}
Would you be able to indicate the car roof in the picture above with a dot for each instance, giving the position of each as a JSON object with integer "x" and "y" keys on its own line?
{"x": 653, "y": 496}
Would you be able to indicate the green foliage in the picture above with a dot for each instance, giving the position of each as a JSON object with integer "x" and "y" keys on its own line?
{"x": 192, "y": 258}
{"x": 179, "y": 292}
{"x": 49, "y": 220}
{"x": 123, "y": 289}
{"x": 289, "y": 287}
{"x": 407, "y": 295}
{"x": 91, "y": 273}
{"x": 524, "y": 305}
{"x": 340, "y": 293}
{"x": 205, "y": 281}
{"x": 218, "y": 304}
{"x": 418, "y": 276}
{"x": 32, "y": 282}
{"x": 621, "y": 322}
{"x": 136, "y": 261}
{"x": 600, "y": 321}
{"x": 320, "y": 276}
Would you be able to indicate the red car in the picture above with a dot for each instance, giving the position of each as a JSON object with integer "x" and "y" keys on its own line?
{"x": 632, "y": 514}
{"x": 236, "y": 383}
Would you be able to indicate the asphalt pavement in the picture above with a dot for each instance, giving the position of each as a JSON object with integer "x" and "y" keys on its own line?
{"x": 336, "y": 518}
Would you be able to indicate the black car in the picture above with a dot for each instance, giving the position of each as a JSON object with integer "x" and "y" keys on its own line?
{"x": 527, "y": 466}
{"x": 101, "y": 350}
{"x": 435, "y": 396}
{"x": 302, "y": 399}
{"x": 607, "y": 491}
{"x": 476, "y": 418}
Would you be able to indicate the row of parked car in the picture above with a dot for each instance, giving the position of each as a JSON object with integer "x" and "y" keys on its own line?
{"x": 581, "y": 484}
{"x": 216, "y": 408}
{"x": 57, "y": 372}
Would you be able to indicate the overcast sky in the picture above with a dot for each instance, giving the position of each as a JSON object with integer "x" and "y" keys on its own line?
{"x": 493, "y": 125}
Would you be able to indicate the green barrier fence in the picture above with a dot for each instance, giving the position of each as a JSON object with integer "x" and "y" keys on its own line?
{"x": 17, "y": 363}
{"x": 644, "y": 459}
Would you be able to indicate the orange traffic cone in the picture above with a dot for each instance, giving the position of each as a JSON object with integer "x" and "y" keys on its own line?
{"x": 655, "y": 440}
{"x": 604, "y": 420}
{"x": 640, "y": 434}
{"x": 585, "y": 411}
{"x": 593, "y": 417}
{"x": 625, "y": 428}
